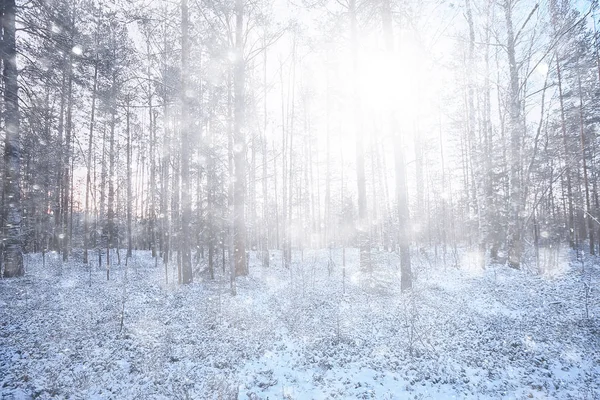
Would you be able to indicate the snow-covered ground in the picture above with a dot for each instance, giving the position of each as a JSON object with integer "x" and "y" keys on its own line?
{"x": 314, "y": 331}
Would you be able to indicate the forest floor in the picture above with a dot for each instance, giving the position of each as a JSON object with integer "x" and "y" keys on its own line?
{"x": 313, "y": 331}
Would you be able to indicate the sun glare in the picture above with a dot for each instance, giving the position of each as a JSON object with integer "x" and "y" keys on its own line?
{"x": 397, "y": 83}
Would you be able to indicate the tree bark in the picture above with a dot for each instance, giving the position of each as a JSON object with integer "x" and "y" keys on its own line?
{"x": 400, "y": 169}
{"x": 265, "y": 240}
{"x": 363, "y": 223}
{"x": 589, "y": 218}
{"x": 515, "y": 245}
{"x": 186, "y": 204}
{"x": 239, "y": 146}
{"x": 12, "y": 261}
{"x": 129, "y": 192}
{"x": 110, "y": 216}
{"x": 88, "y": 179}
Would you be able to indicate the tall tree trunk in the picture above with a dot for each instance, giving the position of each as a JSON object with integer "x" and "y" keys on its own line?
{"x": 474, "y": 151}
{"x": 276, "y": 203}
{"x": 328, "y": 222}
{"x": 419, "y": 209}
{"x": 12, "y": 260}
{"x": 291, "y": 119}
{"x": 47, "y": 204}
{"x": 239, "y": 147}
{"x": 230, "y": 186}
{"x": 58, "y": 209}
{"x": 265, "y": 241}
{"x": 589, "y": 216}
{"x": 110, "y": 215}
{"x": 284, "y": 176}
{"x": 186, "y": 204}
{"x": 563, "y": 125}
{"x": 253, "y": 232}
{"x": 175, "y": 228}
{"x": 88, "y": 179}
{"x": 165, "y": 161}
{"x": 211, "y": 186}
{"x": 491, "y": 227}
{"x": 67, "y": 161}
{"x": 363, "y": 223}
{"x": 129, "y": 194}
{"x": 100, "y": 221}
{"x": 152, "y": 116}
{"x": 400, "y": 170}
{"x": 152, "y": 194}
{"x": 515, "y": 245}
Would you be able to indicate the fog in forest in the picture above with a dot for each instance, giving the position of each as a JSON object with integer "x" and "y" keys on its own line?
{"x": 329, "y": 199}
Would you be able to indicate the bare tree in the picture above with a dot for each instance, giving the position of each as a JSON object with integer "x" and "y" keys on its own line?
{"x": 12, "y": 260}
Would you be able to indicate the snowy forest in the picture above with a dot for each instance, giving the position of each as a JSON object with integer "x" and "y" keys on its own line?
{"x": 300, "y": 199}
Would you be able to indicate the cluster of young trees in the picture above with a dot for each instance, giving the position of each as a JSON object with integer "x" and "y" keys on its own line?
{"x": 530, "y": 173}
{"x": 203, "y": 130}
